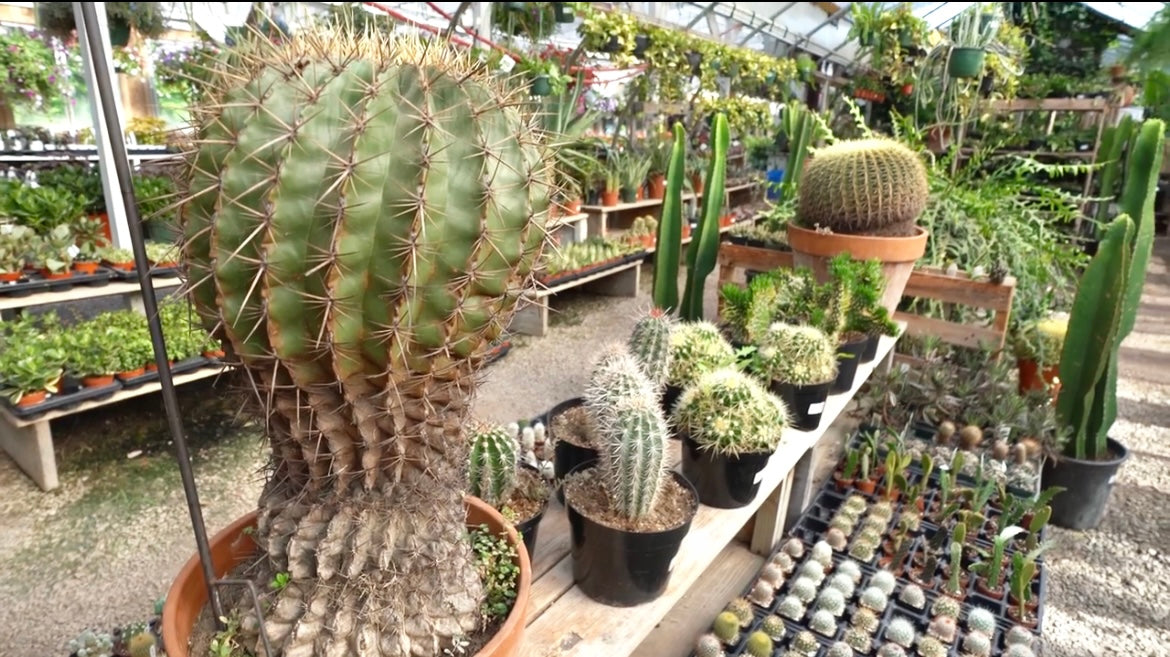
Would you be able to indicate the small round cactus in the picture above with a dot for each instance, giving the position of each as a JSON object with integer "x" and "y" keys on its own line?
{"x": 804, "y": 589}
{"x": 762, "y": 594}
{"x": 697, "y": 348}
{"x": 855, "y": 502}
{"x": 851, "y": 569}
{"x": 865, "y": 620}
{"x": 726, "y": 627}
{"x": 913, "y": 596}
{"x": 799, "y": 355}
{"x": 870, "y": 535}
{"x": 1018, "y": 650}
{"x": 884, "y": 580}
{"x": 873, "y": 598}
{"x": 977, "y": 644}
{"x": 849, "y": 513}
{"x": 836, "y": 538}
{"x": 942, "y": 628}
{"x": 491, "y": 473}
{"x": 858, "y": 640}
{"x": 774, "y": 627}
{"x": 708, "y": 645}
{"x": 1019, "y": 636}
{"x": 831, "y": 600}
{"x": 822, "y": 553}
{"x": 862, "y": 551}
{"x": 805, "y": 642}
{"x": 793, "y": 548}
{"x": 929, "y": 646}
{"x": 883, "y": 509}
{"x": 742, "y": 610}
{"x": 891, "y": 650}
{"x": 758, "y": 644}
{"x": 823, "y": 622}
{"x": 772, "y": 574}
{"x": 842, "y": 524}
{"x": 900, "y": 631}
{"x": 839, "y": 649}
{"x": 791, "y": 607}
{"x": 909, "y": 521}
{"x": 728, "y": 412}
{"x": 945, "y": 606}
{"x": 981, "y": 620}
{"x": 92, "y": 644}
{"x": 813, "y": 570}
{"x": 843, "y": 583}
{"x": 783, "y": 561}
{"x": 874, "y": 524}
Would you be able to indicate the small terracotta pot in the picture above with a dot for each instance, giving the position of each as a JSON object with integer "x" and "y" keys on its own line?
{"x": 1032, "y": 377}
{"x": 865, "y": 486}
{"x": 842, "y": 484}
{"x": 657, "y": 185}
{"x": 1014, "y": 603}
{"x": 981, "y": 586}
{"x": 647, "y": 241}
{"x": 50, "y": 276}
{"x": 153, "y": 367}
{"x": 1028, "y": 622}
{"x": 907, "y": 89}
{"x": 130, "y": 374}
{"x": 124, "y": 266}
{"x": 609, "y": 198}
{"x": 85, "y": 268}
{"x": 97, "y": 381}
{"x": 638, "y": 194}
{"x": 214, "y": 353}
{"x": 165, "y": 265}
{"x": 574, "y": 207}
{"x": 697, "y": 183}
{"x": 32, "y": 398}
{"x": 10, "y": 276}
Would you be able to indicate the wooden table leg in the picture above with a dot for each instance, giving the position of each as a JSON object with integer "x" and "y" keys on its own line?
{"x": 770, "y": 519}
{"x": 32, "y": 449}
{"x": 802, "y": 484}
{"x": 531, "y": 317}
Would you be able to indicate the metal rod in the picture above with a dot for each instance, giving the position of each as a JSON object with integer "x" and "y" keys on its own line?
{"x": 702, "y": 14}
{"x": 762, "y": 24}
{"x": 105, "y": 91}
{"x": 255, "y": 595}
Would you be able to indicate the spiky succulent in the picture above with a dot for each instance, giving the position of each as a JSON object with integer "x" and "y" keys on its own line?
{"x": 728, "y": 412}
{"x": 851, "y": 569}
{"x": 873, "y": 598}
{"x": 836, "y": 538}
{"x": 804, "y": 589}
{"x": 697, "y": 348}
{"x": 708, "y": 645}
{"x": 884, "y": 580}
{"x": 888, "y": 202}
{"x": 758, "y": 644}
{"x": 831, "y": 600}
{"x": 799, "y": 355}
{"x": 1018, "y": 650}
{"x": 874, "y": 524}
{"x": 805, "y": 642}
{"x": 864, "y": 619}
{"x": 782, "y": 561}
{"x": 929, "y": 646}
{"x": 1019, "y": 635}
{"x": 822, "y": 553}
{"x": 362, "y": 211}
{"x": 650, "y": 344}
{"x": 977, "y": 644}
{"x": 726, "y": 627}
{"x": 823, "y": 622}
{"x": 774, "y": 627}
{"x": 616, "y": 375}
{"x": 869, "y": 535}
{"x": 92, "y": 644}
{"x": 855, "y": 502}
{"x": 942, "y": 628}
{"x": 843, "y": 524}
{"x": 883, "y": 509}
{"x": 762, "y": 594}
{"x": 491, "y": 469}
{"x": 842, "y": 582}
{"x": 813, "y": 570}
{"x": 900, "y": 631}
{"x": 773, "y": 575}
{"x": 839, "y": 649}
{"x": 743, "y": 611}
{"x": 862, "y": 550}
{"x": 791, "y": 607}
{"x": 980, "y": 620}
{"x": 945, "y": 606}
{"x": 912, "y": 595}
{"x": 858, "y": 640}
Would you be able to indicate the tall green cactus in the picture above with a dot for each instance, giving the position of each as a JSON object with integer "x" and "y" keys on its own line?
{"x": 1105, "y": 307}
{"x": 669, "y": 243}
{"x": 802, "y": 129}
{"x": 616, "y": 374}
{"x": 704, "y": 248}
{"x": 650, "y": 344}
{"x": 491, "y": 468}
{"x": 1112, "y": 152}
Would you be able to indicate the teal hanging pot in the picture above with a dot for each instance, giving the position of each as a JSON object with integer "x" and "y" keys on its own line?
{"x": 541, "y": 86}
{"x": 119, "y": 32}
{"x": 771, "y": 77}
{"x": 562, "y": 13}
{"x": 515, "y": 6}
{"x": 966, "y": 62}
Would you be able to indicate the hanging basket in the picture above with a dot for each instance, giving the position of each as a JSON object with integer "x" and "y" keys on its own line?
{"x": 541, "y": 86}
{"x": 966, "y": 62}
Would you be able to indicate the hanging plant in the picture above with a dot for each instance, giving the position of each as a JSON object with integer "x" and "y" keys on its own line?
{"x": 31, "y": 77}
{"x": 536, "y": 20}
{"x": 146, "y": 18}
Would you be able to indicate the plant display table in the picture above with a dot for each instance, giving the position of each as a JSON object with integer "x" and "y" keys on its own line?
{"x": 621, "y": 279}
{"x": 600, "y": 215}
{"x": 562, "y": 621}
{"x": 577, "y": 223}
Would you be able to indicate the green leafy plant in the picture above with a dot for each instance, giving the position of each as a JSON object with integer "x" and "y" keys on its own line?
{"x": 31, "y": 77}
{"x": 95, "y": 349}
{"x": 15, "y": 244}
{"x": 90, "y": 237}
{"x": 156, "y": 198}
{"x": 43, "y": 208}
{"x": 55, "y": 250}
{"x": 990, "y": 568}
{"x": 32, "y": 359}
{"x": 669, "y": 243}
{"x": 279, "y": 581}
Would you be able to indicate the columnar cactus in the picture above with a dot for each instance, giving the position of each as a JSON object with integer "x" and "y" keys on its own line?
{"x": 799, "y": 355}
{"x": 491, "y": 472}
{"x": 633, "y": 455}
{"x": 728, "y": 412}
{"x": 650, "y": 344}
{"x": 362, "y": 212}
{"x": 616, "y": 375}
{"x": 697, "y": 348}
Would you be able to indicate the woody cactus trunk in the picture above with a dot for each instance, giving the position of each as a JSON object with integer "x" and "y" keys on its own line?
{"x": 362, "y": 215}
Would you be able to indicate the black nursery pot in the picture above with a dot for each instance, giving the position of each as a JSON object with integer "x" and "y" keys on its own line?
{"x": 870, "y": 351}
{"x": 806, "y": 404}
{"x": 670, "y": 395}
{"x": 723, "y": 481}
{"x": 848, "y": 358}
{"x": 529, "y": 528}
{"x": 1087, "y": 487}
{"x": 621, "y": 568}
{"x": 566, "y": 455}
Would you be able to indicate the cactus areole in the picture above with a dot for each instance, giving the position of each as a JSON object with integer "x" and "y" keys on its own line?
{"x": 363, "y": 213}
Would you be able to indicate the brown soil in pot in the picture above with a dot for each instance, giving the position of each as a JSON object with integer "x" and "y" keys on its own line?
{"x": 674, "y": 506}
{"x": 575, "y": 427}
{"x": 528, "y": 499}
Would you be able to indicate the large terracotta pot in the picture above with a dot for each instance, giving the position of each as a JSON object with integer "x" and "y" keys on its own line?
{"x": 813, "y": 249}
{"x": 231, "y": 546}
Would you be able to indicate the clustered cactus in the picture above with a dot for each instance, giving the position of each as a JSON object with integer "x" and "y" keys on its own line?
{"x": 798, "y": 355}
{"x": 492, "y": 465}
{"x": 697, "y": 348}
{"x": 650, "y": 344}
{"x": 92, "y": 644}
{"x": 728, "y": 412}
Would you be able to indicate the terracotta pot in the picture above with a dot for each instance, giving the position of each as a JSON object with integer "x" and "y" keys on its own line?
{"x": 866, "y": 487}
{"x": 214, "y": 353}
{"x": 574, "y": 207}
{"x": 10, "y": 276}
{"x": 85, "y": 268}
{"x": 232, "y": 545}
{"x": 1034, "y": 378}
{"x": 50, "y": 276}
{"x": 130, "y": 374}
{"x": 97, "y": 381}
{"x": 907, "y": 89}
{"x": 1014, "y": 602}
{"x": 697, "y": 183}
{"x": 124, "y": 266}
{"x": 1028, "y": 622}
{"x": 638, "y": 194}
{"x": 609, "y": 198}
{"x": 994, "y": 594}
{"x": 165, "y": 265}
{"x": 32, "y": 398}
{"x": 843, "y": 485}
{"x": 657, "y": 186}
{"x": 897, "y": 254}
{"x": 647, "y": 241}
{"x": 153, "y": 367}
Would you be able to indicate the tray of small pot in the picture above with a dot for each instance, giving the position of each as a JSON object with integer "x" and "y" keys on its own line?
{"x": 68, "y": 397}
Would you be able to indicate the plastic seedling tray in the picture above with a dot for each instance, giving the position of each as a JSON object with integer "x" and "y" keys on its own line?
{"x": 64, "y": 400}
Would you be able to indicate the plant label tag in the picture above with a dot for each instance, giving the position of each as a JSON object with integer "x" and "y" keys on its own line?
{"x": 507, "y": 64}
{"x": 816, "y": 408}
{"x": 73, "y": 251}
{"x": 1113, "y": 478}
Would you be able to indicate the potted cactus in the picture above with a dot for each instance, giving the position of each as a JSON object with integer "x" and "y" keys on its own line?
{"x": 873, "y": 221}
{"x": 696, "y": 348}
{"x": 730, "y": 426}
{"x": 496, "y": 476}
{"x": 368, "y": 396}
{"x": 990, "y": 568}
{"x": 627, "y": 513}
{"x": 800, "y": 362}
{"x": 121, "y": 259}
{"x": 1037, "y": 346}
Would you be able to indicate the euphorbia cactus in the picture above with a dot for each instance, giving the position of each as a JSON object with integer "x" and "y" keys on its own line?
{"x": 362, "y": 211}
{"x": 491, "y": 472}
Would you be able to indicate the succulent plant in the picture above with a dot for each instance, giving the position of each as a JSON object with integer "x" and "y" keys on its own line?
{"x": 873, "y": 598}
{"x": 884, "y": 580}
{"x": 774, "y": 627}
{"x": 783, "y": 561}
{"x": 708, "y": 645}
{"x": 762, "y": 594}
{"x": 804, "y": 589}
{"x": 791, "y": 608}
{"x": 650, "y": 344}
{"x": 862, "y": 551}
{"x": 793, "y": 547}
{"x": 773, "y": 575}
{"x": 832, "y": 600}
{"x": 697, "y": 348}
{"x": 842, "y": 582}
{"x": 929, "y": 646}
{"x": 883, "y": 509}
{"x": 981, "y": 620}
{"x": 900, "y": 631}
{"x": 891, "y": 650}
{"x": 942, "y": 628}
{"x": 858, "y": 640}
{"x": 1019, "y": 635}
{"x": 912, "y": 595}
{"x": 823, "y": 622}
{"x": 728, "y": 412}
{"x": 870, "y": 535}
{"x": 945, "y": 606}
{"x": 843, "y": 525}
{"x": 866, "y": 620}
{"x": 977, "y": 644}
{"x": 492, "y": 462}
{"x": 888, "y": 204}
{"x": 850, "y": 569}
{"x": 1018, "y": 650}
{"x": 855, "y": 502}
{"x": 758, "y": 644}
{"x": 813, "y": 570}
{"x": 805, "y": 642}
{"x": 839, "y": 649}
{"x": 799, "y": 355}
{"x": 822, "y": 553}
{"x": 616, "y": 376}
{"x": 874, "y": 524}
{"x": 726, "y": 627}
{"x": 92, "y": 644}
{"x": 836, "y": 539}
{"x": 743, "y": 611}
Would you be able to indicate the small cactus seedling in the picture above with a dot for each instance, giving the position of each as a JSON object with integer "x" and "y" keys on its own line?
{"x": 773, "y": 575}
{"x": 813, "y": 570}
{"x": 726, "y": 627}
{"x": 791, "y": 608}
{"x": 942, "y": 628}
{"x": 783, "y": 561}
{"x": 1018, "y": 650}
{"x": 774, "y": 627}
{"x": 822, "y": 553}
{"x": 1019, "y": 636}
{"x": 843, "y": 583}
{"x": 977, "y": 644}
{"x": 912, "y": 596}
{"x": 836, "y": 538}
{"x": 945, "y": 606}
{"x": 855, "y": 502}
{"x": 758, "y": 645}
{"x": 900, "y": 631}
{"x": 883, "y": 509}
{"x": 831, "y": 600}
{"x": 804, "y": 589}
{"x": 981, "y": 620}
{"x": 865, "y": 620}
{"x": 650, "y": 345}
{"x": 793, "y": 548}
{"x": 873, "y": 598}
{"x": 742, "y": 610}
{"x": 929, "y": 646}
{"x": 970, "y": 437}
{"x": 92, "y": 644}
{"x": 884, "y": 580}
{"x": 891, "y": 650}
{"x": 839, "y": 649}
{"x": 762, "y": 594}
{"x": 874, "y": 524}
{"x": 860, "y": 641}
{"x": 142, "y": 644}
{"x": 862, "y": 551}
{"x": 492, "y": 462}
{"x": 708, "y": 645}
{"x": 945, "y": 432}
{"x": 823, "y": 622}
{"x": 805, "y": 642}
{"x": 851, "y": 569}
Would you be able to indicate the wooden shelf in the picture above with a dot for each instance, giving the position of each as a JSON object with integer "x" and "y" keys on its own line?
{"x": 651, "y": 202}
{"x": 1068, "y": 155}
{"x": 1051, "y": 105}
{"x": 85, "y": 292}
{"x": 602, "y": 273}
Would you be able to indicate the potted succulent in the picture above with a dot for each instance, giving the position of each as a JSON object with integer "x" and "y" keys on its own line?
{"x": 30, "y": 368}
{"x": 660, "y": 150}
{"x": 730, "y": 426}
{"x": 122, "y": 259}
{"x": 95, "y": 353}
{"x": 635, "y": 167}
{"x": 55, "y": 253}
{"x": 643, "y": 231}
{"x": 15, "y": 243}
{"x": 990, "y": 568}
{"x": 1037, "y": 346}
{"x": 800, "y": 363}
{"x": 971, "y": 33}
{"x": 162, "y": 255}
{"x": 627, "y": 513}
{"x": 696, "y": 348}
{"x": 613, "y": 177}
{"x": 90, "y": 236}
{"x": 496, "y": 476}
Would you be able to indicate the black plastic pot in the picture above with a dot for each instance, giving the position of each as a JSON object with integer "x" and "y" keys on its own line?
{"x": 528, "y": 530}
{"x": 566, "y": 455}
{"x": 621, "y": 568}
{"x": 723, "y": 481}
{"x": 870, "y": 351}
{"x": 641, "y": 43}
{"x": 848, "y": 358}
{"x": 694, "y": 59}
{"x": 805, "y": 403}
{"x": 1087, "y": 487}
{"x": 670, "y": 395}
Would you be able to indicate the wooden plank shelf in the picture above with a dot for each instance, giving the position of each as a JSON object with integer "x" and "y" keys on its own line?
{"x": 564, "y": 622}
{"x": 85, "y": 292}
{"x": 578, "y": 222}
{"x": 532, "y": 312}
{"x": 651, "y": 202}
{"x": 1051, "y": 105}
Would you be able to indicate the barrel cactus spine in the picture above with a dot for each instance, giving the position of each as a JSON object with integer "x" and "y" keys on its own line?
{"x": 728, "y": 412}
{"x": 491, "y": 472}
{"x": 312, "y": 155}
{"x": 697, "y": 348}
{"x": 650, "y": 344}
{"x": 799, "y": 355}
{"x": 616, "y": 375}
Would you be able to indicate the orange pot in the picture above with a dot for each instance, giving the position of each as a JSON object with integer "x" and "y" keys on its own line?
{"x": 130, "y": 374}
{"x": 153, "y": 367}
{"x": 574, "y": 207}
{"x": 638, "y": 194}
{"x": 10, "y": 276}
{"x": 234, "y": 544}
{"x": 217, "y": 353}
{"x": 609, "y": 198}
{"x": 897, "y": 255}
{"x": 49, "y": 276}
{"x": 32, "y": 398}
{"x": 657, "y": 186}
{"x": 697, "y": 183}
{"x": 97, "y": 381}
{"x": 85, "y": 268}
{"x": 1033, "y": 378}
{"x": 907, "y": 89}
{"x": 648, "y": 241}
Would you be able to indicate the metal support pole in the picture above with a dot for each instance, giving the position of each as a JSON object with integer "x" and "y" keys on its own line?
{"x": 95, "y": 42}
{"x": 765, "y": 23}
{"x": 702, "y": 14}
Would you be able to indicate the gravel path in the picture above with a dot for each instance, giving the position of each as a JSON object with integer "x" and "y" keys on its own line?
{"x": 101, "y": 549}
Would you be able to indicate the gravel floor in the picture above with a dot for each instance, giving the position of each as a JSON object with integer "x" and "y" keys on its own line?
{"x": 100, "y": 550}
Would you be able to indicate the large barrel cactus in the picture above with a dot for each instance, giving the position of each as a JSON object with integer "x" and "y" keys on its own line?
{"x": 863, "y": 187}
{"x": 363, "y": 213}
